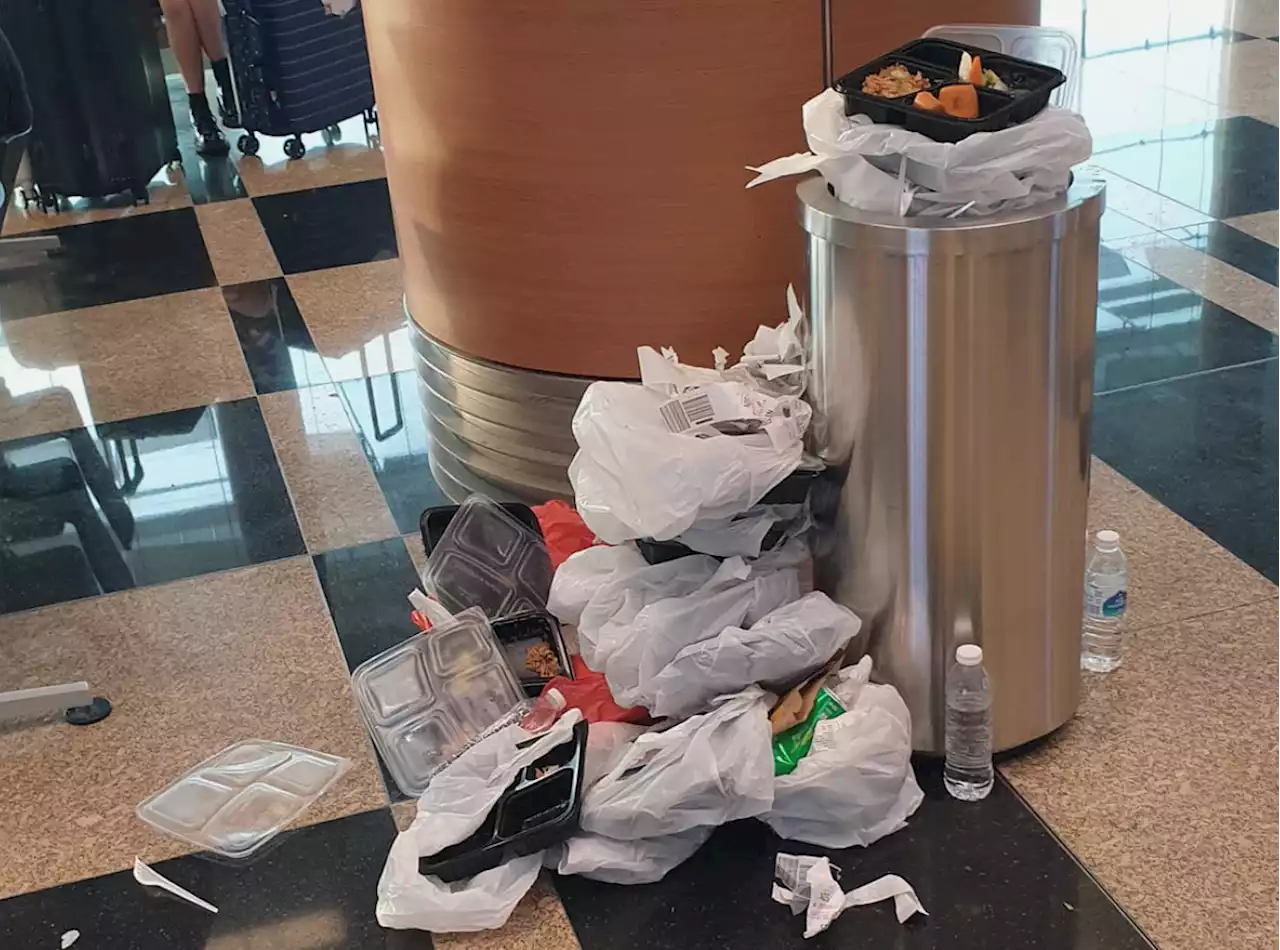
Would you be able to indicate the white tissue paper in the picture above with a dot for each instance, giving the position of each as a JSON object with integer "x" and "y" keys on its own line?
{"x": 808, "y": 885}
{"x": 887, "y": 169}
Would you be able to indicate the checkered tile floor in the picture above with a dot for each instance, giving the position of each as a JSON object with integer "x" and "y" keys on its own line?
{"x": 213, "y": 459}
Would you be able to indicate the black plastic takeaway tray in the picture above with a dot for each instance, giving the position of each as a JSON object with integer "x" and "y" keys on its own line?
{"x": 518, "y": 633}
{"x": 539, "y": 809}
{"x": 659, "y": 552}
{"x": 434, "y": 521}
{"x": 938, "y": 60}
{"x": 1032, "y": 84}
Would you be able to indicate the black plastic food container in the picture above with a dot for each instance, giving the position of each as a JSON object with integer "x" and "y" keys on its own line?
{"x": 434, "y": 521}
{"x": 539, "y": 809}
{"x": 518, "y": 633}
{"x": 938, "y": 60}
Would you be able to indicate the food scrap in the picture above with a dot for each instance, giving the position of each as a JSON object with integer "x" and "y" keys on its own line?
{"x": 541, "y": 660}
{"x": 894, "y": 82}
{"x": 971, "y": 71}
{"x": 960, "y": 101}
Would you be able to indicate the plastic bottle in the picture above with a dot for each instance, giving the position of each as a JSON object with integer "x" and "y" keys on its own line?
{"x": 541, "y": 714}
{"x": 1106, "y": 581}
{"x": 968, "y": 773}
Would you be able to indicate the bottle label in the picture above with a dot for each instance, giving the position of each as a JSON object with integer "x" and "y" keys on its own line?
{"x": 1114, "y": 605}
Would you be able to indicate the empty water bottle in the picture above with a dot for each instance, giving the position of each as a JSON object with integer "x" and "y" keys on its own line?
{"x": 1106, "y": 581}
{"x": 968, "y": 773}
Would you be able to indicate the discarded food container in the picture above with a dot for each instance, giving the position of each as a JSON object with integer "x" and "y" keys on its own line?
{"x": 236, "y": 801}
{"x": 425, "y": 699}
{"x": 933, "y": 63}
{"x": 539, "y": 809}
{"x": 534, "y": 649}
{"x": 435, "y": 521}
{"x": 486, "y": 558}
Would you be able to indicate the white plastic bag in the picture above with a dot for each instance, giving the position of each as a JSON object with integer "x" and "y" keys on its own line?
{"x": 856, "y": 784}
{"x": 620, "y": 596}
{"x": 641, "y": 861}
{"x": 703, "y": 772}
{"x": 454, "y": 805}
{"x": 633, "y": 477}
{"x": 578, "y": 579}
{"x": 737, "y": 593}
{"x": 782, "y": 648}
{"x": 885, "y": 168}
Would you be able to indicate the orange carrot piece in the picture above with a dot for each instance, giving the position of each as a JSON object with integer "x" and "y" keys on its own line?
{"x": 975, "y": 74}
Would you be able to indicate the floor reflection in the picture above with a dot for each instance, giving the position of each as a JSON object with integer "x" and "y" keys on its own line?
{"x": 142, "y": 501}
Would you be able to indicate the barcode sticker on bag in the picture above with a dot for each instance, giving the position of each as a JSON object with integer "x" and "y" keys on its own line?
{"x": 684, "y": 413}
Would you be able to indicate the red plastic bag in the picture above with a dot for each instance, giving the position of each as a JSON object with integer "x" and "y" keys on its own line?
{"x": 589, "y": 692}
{"x": 564, "y": 530}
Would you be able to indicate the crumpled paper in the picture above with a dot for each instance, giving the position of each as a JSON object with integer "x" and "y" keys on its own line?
{"x": 888, "y": 169}
{"x": 808, "y": 885}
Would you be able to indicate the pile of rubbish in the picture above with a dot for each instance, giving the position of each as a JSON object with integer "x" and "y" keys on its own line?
{"x": 708, "y": 683}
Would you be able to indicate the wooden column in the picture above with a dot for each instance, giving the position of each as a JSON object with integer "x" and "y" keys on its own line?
{"x": 567, "y": 175}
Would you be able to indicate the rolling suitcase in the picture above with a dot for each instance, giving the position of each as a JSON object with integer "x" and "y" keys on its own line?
{"x": 298, "y": 68}
{"x": 101, "y": 118}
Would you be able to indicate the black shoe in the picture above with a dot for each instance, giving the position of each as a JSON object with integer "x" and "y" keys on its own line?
{"x": 209, "y": 138}
{"x": 227, "y": 111}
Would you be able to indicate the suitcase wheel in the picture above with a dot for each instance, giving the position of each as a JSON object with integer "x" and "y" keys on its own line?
{"x": 294, "y": 148}
{"x": 331, "y": 135}
{"x": 248, "y": 144}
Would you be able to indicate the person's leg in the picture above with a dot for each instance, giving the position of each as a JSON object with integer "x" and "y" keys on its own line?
{"x": 209, "y": 26}
{"x": 184, "y": 40}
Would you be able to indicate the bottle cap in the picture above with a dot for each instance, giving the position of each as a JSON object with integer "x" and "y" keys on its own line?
{"x": 1109, "y": 537}
{"x": 555, "y": 698}
{"x": 969, "y": 654}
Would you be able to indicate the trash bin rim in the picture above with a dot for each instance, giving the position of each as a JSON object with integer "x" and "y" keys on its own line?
{"x": 824, "y": 216}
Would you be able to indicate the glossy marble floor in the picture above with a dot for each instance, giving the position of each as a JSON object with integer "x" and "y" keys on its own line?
{"x": 212, "y": 462}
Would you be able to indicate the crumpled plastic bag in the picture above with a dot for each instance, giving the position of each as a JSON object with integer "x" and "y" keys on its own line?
{"x": 856, "y": 784}
{"x": 737, "y": 593}
{"x": 782, "y": 648}
{"x": 454, "y": 805}
{"x": 744, "y": 535}
{"x": 641, "y": 861}
{"x": 563, "y": 530}
{"x": 703, "y": 772}
{"x": 688, "y": 443}
{"x": 620, "y": 595}
{"x": 578, "y": 579}
{"x": 888, "y": 169}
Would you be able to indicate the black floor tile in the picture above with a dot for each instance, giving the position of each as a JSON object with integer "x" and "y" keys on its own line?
{"x": 366, "y": 589}
{"x": 329, "y": 227}
{"x": 139, "y": 502}
{"x": 276, "y": 342}
{"x": 1223, "y": 168}
{"x": 313, "y": 889}
{"x": 988, "y": 873}
{"x": 1204, "y": 446}
{"x": 387, "y": 414}
{"x": 1231, "y": 246}
{"x": 1149, "y": 329}
{"x": 108, "y": 261}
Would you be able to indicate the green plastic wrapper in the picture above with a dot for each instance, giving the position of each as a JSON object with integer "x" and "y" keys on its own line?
{"x": 793, "y": 745}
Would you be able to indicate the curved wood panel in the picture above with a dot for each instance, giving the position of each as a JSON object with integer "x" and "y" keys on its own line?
{"x": 567, "y": 175}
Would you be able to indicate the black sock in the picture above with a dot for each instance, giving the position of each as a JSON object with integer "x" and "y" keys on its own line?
{"x": 198, "y": 104}
{"x": 222, "y": 73}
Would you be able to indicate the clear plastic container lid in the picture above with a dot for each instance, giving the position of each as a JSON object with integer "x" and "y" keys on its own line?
{"x": 488, "y": 559}
{"x": 426, "y": 698}
{"x": 238, "y": 800}
{"x": 1046, "y": 45}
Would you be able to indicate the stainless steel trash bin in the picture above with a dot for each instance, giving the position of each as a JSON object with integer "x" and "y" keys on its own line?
{"x": 952, "y": 367}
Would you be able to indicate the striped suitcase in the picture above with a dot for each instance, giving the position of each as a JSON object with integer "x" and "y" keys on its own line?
{"x": 297, "y": 69}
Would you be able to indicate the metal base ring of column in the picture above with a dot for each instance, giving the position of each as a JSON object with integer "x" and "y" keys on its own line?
{"x": 499, "y": 430}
